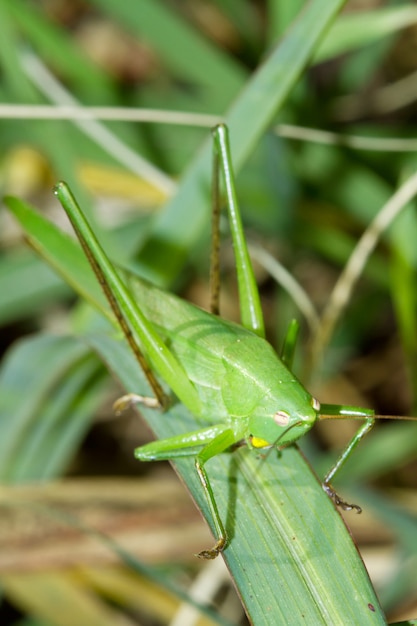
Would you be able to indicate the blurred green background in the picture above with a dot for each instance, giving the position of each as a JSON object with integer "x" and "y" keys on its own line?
{"x": 307, "y": 202}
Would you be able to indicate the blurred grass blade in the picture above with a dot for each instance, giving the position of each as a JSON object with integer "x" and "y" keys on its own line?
{"x": 404, "y": 300}
{"x": 55, "y": 43}
{"x": 280, "y": 15}
{"x": 13, "y": 81}
{"x": 352, "y": 31}
{"x": 60, "y": 600}
{"x": 26, "y": 285}
{"x": 49, "y": 243}
{"x": 182, "y": 48}
{"x": 185, "y": 218}
{"x": 390, "y": 446}
{"x": 285, "y": 532}
{"x": 44, "y": 413}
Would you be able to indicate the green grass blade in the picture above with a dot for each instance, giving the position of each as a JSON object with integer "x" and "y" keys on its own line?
{"x": 45, "y": 411}
{"x": 48, "y": 241}
{"x": 14, "y": 82}
{"x": 400, "y": 518}
{"x": 286, "y": 536}
{"x": 26, "y": 285}
{"x": 351, "y": 31}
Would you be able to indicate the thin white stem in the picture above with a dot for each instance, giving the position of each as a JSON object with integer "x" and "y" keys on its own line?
{"x": 386, "y": 99}
{"x": 397, "y": 95}
{"x": 316, "y": 135}
{"x": 52, "y": 89}
{"x": 287, "y": 282}
{"x": 121, "y": 114}
{"x": 77, "y": 112}
{"x": 342, "y": 291}
{"x": 203, "y": 590}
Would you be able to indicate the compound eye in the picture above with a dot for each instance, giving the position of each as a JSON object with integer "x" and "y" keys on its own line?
{"x": 315, "y": 404}
{"x": 281, "y": 418}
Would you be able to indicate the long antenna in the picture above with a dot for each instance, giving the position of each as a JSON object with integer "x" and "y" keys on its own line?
{"x": 377, "y": 417}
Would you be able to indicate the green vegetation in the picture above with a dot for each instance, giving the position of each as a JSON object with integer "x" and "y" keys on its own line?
{"x": 306, "y": 202}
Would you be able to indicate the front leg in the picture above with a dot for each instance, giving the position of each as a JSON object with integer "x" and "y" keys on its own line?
{"x": 215, "y": 439}
{"x": 364, "y": 430}
{"x": 219, "y": 444}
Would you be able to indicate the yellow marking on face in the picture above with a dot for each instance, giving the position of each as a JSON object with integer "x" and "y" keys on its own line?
{"x": 257, "y": 442}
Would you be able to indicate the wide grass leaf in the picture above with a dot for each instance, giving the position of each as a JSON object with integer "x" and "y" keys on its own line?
{"x": 351, "y": 31}
{"x": 45, "y": 410}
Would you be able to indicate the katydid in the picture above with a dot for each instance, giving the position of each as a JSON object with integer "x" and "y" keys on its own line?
{"x": 227, "y": 374}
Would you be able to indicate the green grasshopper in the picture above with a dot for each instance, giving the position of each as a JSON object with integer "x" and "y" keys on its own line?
{"x": 227, "y": 375}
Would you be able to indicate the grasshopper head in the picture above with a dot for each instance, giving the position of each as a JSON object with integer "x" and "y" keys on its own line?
{"x": 284, "y": 419}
